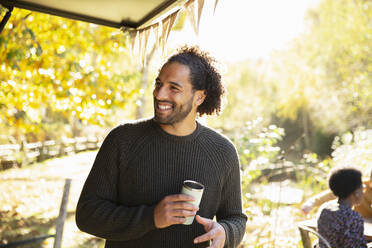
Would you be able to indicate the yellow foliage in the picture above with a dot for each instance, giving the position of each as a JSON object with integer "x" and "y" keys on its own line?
{"x": 53, "y": 65}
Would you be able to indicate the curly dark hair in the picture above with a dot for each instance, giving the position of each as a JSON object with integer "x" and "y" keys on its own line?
{"x": 203, "y": 76}
{"x": 343, "y": 181}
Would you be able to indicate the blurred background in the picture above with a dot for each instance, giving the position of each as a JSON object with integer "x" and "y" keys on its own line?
{"x": 298, "y": 76}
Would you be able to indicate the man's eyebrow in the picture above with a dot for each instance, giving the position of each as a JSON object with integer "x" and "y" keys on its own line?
{"x": 176, "y": 84}
{"x": 171, "y": 82}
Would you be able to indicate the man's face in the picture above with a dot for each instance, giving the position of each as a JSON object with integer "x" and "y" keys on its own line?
{"x": 173, "y": 95}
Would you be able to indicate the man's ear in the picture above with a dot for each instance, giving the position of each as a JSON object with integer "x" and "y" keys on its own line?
{"x": 200, "y": 97}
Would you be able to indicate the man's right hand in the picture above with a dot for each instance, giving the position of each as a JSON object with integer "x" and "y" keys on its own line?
{"x": 173, "y": 209}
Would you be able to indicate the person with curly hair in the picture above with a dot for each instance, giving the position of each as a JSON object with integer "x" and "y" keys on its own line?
{"x": 364, "y": 208}
{"x": 338, "y": 223}
{"x": 132, "y": 196}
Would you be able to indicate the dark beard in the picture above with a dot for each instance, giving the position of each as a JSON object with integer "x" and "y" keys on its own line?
{"x": 179, "y": 114}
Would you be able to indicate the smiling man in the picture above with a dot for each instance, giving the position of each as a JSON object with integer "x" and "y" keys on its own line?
{"x": 132, "y": 196}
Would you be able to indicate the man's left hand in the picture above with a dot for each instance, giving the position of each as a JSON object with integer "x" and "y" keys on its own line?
{"x": 215, "y": 232}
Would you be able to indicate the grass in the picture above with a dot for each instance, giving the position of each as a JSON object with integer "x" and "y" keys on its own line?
{"x": 273, "y": 212}
{"x": 31, "y": 198}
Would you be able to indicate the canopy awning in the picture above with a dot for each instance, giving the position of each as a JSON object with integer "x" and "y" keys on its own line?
{"x": 137, "y": 18}
{"x": 135, "y": 14}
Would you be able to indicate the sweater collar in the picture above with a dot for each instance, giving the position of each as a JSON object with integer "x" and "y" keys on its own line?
{"x": 185, "y": 138}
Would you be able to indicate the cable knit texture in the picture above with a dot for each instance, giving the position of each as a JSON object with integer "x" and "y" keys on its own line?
{"x": 138, "y": 165}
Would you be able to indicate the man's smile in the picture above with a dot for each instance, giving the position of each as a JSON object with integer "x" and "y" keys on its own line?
{"x": 163, "y": 106}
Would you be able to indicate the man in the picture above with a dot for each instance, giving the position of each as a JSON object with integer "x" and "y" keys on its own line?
{"x": 132, "y": 196}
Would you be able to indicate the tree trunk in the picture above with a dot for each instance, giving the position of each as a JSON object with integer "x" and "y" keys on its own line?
{"x": 144, "y": 84}
{"x": 305, "y": 123}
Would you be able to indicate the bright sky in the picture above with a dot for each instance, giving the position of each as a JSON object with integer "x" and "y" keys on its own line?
{"x": 242, "y": 29}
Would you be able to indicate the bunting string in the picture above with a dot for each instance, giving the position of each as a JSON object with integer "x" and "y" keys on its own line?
{"x": 162, "y": 29}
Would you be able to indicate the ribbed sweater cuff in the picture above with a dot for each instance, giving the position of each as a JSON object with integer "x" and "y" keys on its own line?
{"x": 226, "y": 227}
{"x": 149, "y": 217}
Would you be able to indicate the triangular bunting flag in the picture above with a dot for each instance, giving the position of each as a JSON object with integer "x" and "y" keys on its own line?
{"x": 172, "y": 19}
{"x": 156, "y": 33}
{"x": 200, "y": 10}
{"x": 165, "y": 25}
{"x": 215, "y": 6}
{"x": 190, "y": 8}
{"x": 132, "y": 37}
{"x": 143, "y": 53}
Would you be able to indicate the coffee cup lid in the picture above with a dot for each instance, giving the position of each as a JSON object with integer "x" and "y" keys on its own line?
{"x": 193, "y": 185}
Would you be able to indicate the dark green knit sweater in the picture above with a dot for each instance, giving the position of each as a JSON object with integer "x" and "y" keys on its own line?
{"x": 138, "y": 165}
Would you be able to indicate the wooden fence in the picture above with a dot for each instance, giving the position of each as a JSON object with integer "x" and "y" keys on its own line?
{"x": 23, "y": 154}
{"x": 59, "y": 224}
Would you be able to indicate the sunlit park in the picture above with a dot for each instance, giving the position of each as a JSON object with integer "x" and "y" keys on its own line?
{"x": 298, "y": 102}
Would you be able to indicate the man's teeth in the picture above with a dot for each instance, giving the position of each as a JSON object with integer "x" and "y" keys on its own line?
{"x": 162, "y": 107}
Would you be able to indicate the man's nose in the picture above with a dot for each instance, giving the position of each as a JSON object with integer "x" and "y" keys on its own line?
{"x": 161, "y": 93}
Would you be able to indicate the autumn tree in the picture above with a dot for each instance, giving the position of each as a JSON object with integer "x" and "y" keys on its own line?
{"x": 328, "y": 70}
{"x": 59, "y": 70}
{"x": 318, "y": 86}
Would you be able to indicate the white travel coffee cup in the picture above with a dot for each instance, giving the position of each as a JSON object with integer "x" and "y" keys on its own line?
{"x": 195, "y": 190}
